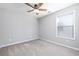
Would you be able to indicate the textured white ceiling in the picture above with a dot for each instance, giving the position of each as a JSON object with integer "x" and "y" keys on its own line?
{"x": 52, "y": 7}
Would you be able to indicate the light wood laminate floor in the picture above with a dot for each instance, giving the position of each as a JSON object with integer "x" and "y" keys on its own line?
{"x": 37, "y": 48}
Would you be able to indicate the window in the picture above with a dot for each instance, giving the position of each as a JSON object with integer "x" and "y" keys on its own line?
{"x": 65, "y": 25}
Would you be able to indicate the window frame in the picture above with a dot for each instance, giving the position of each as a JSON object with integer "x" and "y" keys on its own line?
{"x": 63, "y": 14}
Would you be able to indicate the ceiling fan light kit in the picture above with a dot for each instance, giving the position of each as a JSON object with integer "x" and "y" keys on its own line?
{"x": 36, "y": 10}
{"x": 36, "y": 7}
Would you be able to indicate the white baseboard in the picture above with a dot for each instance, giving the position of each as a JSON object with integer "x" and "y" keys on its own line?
{"x": 60, "y": 44}
{"x": 16, "y": 43}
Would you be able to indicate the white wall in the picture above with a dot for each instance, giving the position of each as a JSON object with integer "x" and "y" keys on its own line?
{"x": 17, "y": 26}
{"x": 48, "y": 27}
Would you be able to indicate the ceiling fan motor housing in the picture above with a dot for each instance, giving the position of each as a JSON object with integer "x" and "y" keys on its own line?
{"x": 35, "y": 5}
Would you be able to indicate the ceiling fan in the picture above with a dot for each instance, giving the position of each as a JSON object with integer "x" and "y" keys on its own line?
{"x": 36, "y": 7}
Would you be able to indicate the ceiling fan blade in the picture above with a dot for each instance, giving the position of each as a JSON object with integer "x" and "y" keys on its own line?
{"x": 42, "y": 9}
{"x": 30, "y": 10}
{"x": 29, "y": 5}
{"x": 39, "y": 5}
